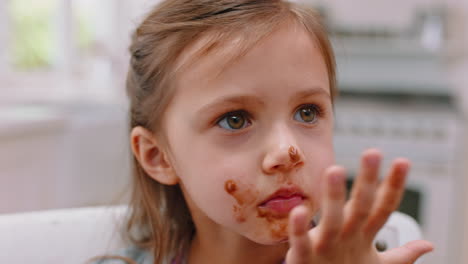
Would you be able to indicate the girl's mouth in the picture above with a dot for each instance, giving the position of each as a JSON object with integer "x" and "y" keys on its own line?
{"x": 281, "y": 202}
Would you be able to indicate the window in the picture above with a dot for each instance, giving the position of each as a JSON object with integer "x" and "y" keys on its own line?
{"x": 64, "y": 49}
{"x": 32, "y": 33}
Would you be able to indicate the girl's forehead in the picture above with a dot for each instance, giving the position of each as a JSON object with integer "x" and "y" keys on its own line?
{"x": 208, "y": 50}
{"x": 289, "y": 45}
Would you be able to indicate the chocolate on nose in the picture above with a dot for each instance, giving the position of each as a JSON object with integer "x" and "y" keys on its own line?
{"x": 293, "y": 154}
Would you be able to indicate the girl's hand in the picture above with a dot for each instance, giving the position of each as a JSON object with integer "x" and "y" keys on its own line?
{"x": 346, "y": 230}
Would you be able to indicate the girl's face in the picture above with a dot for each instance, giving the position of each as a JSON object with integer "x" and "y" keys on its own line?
{"x": 253, "y": 142}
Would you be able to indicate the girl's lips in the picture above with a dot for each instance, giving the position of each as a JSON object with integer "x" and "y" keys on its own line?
{"x": 281, "y": 202}
{"x": 282, "y": 205}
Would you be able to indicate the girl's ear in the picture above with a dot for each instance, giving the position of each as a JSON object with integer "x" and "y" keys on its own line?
{"x": 152, "y": 159}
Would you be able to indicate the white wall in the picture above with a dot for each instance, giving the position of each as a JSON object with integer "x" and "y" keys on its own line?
{"x": 30, "y": 149}
{"x": 63, "y": 156}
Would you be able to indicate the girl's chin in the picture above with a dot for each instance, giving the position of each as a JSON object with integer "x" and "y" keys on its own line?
{"x": 267, "y": 240}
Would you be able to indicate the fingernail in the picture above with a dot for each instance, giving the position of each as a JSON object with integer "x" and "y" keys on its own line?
{"x": 372, "y": 161}
{"x": 402, "y": 169}
{"x": 403, "y": 165}
{"x": 336, "y": 177}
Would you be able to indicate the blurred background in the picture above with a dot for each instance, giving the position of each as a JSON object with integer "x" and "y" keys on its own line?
{"x": 403, "y": 76}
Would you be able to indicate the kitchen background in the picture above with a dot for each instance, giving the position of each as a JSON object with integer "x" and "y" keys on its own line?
{"x": 403, "y": 76}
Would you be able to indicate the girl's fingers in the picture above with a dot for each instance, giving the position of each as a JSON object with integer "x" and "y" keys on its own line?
{"x": 330, "y": 225}
{"x": 408, "y": 253}
{"x": 388, "y": 197}
{"x": 363, "y": 193}
{"x": 299, "y": 239}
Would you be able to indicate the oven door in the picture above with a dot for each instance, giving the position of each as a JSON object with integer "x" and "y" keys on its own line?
{"x": 428, "y": 200}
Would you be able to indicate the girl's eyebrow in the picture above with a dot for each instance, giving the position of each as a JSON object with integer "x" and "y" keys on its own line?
{"x": 247, "y": 99}
{"x": 242, "y": 100}
{"x": 313, "y": 91}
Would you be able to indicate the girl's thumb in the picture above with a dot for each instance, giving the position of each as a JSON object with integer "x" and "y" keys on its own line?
{"x": 407, "y": 253}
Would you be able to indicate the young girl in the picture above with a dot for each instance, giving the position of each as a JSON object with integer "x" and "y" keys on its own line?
{"x": 231, "y": 131}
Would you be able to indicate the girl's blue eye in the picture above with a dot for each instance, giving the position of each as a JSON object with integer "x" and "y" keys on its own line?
{"x": 307, "y": 113}
{"x": 234, "y": 121}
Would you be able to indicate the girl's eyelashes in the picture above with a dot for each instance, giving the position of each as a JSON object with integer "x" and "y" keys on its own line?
{"x": 240, "y": 119}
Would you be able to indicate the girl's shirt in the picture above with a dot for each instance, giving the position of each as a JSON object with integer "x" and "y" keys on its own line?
{"x": 138, "y": 255}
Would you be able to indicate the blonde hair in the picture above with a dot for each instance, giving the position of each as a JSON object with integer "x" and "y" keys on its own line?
{"x": 159, "y": 219}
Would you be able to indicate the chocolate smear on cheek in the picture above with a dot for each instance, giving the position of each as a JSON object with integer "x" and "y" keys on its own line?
{"x": 243, "y": 196}
{"x": 230, "y": 186}
{"x": 278, "y": 225}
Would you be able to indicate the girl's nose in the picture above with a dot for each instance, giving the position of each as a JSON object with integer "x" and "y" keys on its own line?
{"x": 283, "y": 159}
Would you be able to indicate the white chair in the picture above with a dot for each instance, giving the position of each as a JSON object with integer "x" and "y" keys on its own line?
{"x": 73, "y": 236}
{"x": 60, "y": 236}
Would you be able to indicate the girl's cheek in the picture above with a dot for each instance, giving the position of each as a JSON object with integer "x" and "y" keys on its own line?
{"x": 245, "y": 198}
